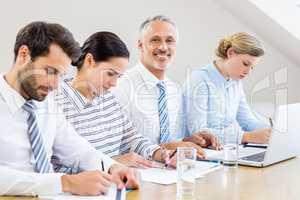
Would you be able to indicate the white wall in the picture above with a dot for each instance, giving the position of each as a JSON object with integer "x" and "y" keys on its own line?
{"x": 201, "y": 24}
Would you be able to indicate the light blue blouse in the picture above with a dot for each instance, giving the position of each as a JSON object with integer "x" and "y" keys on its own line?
{"x": 210, "y": 102}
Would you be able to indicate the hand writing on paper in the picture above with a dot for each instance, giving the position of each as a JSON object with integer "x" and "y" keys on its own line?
{"x": 124, "y": 176}
{"x": 90, "y": 183}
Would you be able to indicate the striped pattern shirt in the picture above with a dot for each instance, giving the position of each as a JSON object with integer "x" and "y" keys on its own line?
{"x": 103, "y": 123}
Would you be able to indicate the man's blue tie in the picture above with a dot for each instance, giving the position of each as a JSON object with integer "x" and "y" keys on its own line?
{"x": 43, "y": 164}
{"x": 163, "y": 113}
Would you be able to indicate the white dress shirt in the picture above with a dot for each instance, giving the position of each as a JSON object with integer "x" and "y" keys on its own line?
{"x": 60, "y": 139}
{"x": 138, "y": 94}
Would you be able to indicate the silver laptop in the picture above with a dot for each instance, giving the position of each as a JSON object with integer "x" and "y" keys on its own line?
{"x": 284, "y": 141}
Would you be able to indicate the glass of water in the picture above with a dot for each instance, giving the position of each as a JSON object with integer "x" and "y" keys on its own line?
{"x": 230, "y": 145}
{"x": 186, "y": 158}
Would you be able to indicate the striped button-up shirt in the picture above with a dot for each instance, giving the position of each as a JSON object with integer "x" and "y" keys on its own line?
{"x": 103, "y": 123}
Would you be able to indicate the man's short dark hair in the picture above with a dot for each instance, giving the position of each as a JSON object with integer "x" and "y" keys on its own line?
{"x": 38, "y": 36}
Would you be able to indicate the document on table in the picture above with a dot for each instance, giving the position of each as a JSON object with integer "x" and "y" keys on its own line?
{"x": 243, "y": 151}
{"x": 113, "y": 194}
{"x": 213, "y": 154}
{"x": 169, "y": 176}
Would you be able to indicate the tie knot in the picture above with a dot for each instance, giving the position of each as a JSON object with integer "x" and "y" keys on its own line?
{"x": 161, "y": 85}
{"x": 29, "y": 106}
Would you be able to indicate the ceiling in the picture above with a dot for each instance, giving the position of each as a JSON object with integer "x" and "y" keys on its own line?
{"x": 281, "y": 17}
{"x": 284, "y": 12}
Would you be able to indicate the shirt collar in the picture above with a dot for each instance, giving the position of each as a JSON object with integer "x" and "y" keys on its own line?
{"x": 75, "y": 97}
{"x": 13, "y": 99}
{"x": 217, "y": 77}
{"x": 149, "y": 79}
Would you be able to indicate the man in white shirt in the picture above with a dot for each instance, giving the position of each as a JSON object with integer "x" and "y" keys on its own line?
{"x": 33, "y": 128}
{"x": 152, "y": 100}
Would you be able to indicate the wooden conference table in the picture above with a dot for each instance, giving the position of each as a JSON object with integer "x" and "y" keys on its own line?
{"x": 276, "y": 182}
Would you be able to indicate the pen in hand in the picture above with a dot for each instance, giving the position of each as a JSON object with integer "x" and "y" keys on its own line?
{"x": 168, "y": 158}
{"x": 103, "y": 169}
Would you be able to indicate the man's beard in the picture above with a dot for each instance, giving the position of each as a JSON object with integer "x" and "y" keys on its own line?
{"x": 28, "y": 83}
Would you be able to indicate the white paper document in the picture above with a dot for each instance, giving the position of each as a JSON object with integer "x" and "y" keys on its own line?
{"x": 169, "y": 176}
{"x": 112, "y": 194}
{"x": 243, "y": 151}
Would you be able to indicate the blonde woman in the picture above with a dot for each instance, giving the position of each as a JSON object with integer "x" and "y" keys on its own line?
{"x": 214, "y": 98}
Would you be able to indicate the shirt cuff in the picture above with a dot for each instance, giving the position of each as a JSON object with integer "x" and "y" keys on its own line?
{"x": 151, "y": 149}
{"x": 241, "y": 135}
{"x": 49, "y": 184}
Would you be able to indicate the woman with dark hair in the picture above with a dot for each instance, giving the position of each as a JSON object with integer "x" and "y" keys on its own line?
{"x": 95, "y": 112}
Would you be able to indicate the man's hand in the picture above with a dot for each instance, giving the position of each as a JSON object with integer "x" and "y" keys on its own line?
{"x": 90, "y": 183}
{"x": 261, "y": 136}
{"x": 174, "y": 145}
{"x": 124, "y": 176}
{"x": 134, "y": 160}
{"x": 204, "y": 139}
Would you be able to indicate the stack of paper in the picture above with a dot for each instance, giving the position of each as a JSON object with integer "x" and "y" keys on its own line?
{"x": 113, "y": 194}
{"x": 169, "y": 176}
{"x": 243, "y": 151}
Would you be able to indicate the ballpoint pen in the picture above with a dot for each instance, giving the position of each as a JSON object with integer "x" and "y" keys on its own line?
{"x": 169, "y": 158}
{"x": 102, "y": 165}
{"x": 271, "y": 122}
{"x": 262, "y": 146}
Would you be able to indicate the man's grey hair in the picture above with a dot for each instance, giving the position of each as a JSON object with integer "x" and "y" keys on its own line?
{"x": 162, "y": 18}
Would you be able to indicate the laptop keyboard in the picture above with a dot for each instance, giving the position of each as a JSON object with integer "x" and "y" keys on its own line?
{"x": 256, "y": 157}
